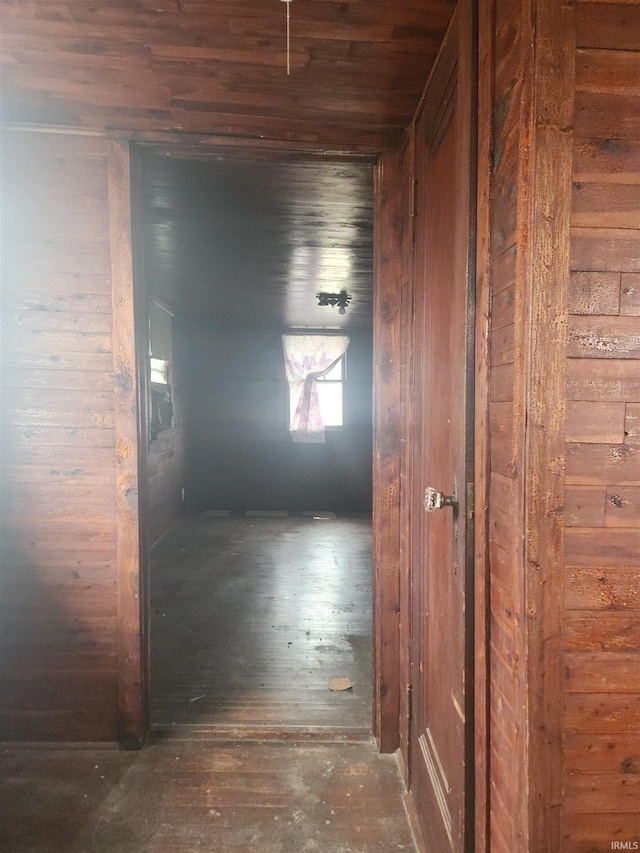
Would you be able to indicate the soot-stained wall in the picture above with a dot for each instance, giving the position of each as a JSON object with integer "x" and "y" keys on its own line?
{"x": 239, "y": 452}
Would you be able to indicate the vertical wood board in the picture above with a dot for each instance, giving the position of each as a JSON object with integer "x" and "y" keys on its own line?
{"x": 386, "y": 455}
{"x": 547, "y": 297}
{"x": 132, "y": 689}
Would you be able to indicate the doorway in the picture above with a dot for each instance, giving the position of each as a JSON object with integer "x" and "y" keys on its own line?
{"x": 261, "y": 589}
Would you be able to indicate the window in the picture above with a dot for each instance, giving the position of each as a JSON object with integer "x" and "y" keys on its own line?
{"x": 330, "y": 389}
{"x": 315, "y": 368}
{"x": 160, "y": 359}
{"x": 159, "y": 371}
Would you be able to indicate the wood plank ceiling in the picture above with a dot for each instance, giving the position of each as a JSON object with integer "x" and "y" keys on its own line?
{"x": 218, "y": 67}
{"x": 249, "y": 242}
{"x": 241, "y": 242}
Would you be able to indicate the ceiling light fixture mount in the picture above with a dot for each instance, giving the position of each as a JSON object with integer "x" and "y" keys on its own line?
{"x": 341, "y": 299}
{"x": 288, "y": 2}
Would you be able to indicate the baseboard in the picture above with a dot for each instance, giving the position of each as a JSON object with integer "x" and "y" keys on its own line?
{"x": 16, "y": 745}
{"x": 414, "y": 823}
{"x": 404, "y": 770}
{"x": 222, "y": 731}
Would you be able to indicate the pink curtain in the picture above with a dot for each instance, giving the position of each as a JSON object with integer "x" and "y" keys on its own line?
{"x": 306, "y": 357}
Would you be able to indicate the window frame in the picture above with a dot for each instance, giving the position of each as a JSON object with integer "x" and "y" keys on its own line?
{"x": 162, "y": 364}
{"x": 166, "y": 358}
{"x": 342, "y": 382}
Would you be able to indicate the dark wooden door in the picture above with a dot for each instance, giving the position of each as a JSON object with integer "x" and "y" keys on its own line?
{"x": 442, "y": 724}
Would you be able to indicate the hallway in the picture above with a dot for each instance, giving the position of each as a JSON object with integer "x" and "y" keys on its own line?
{"x": 252, "y": 615}
{"x": 188, "y": 796}
{"x": 251, "y": 752}
{"x": 251, "y": 618}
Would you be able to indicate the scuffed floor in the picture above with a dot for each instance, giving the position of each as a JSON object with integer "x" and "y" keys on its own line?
{"x": 187, "y": 796}
{"x": 252, "y": 617}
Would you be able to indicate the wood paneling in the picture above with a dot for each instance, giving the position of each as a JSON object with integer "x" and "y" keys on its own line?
{"x": 592, "y": 642}
{"x": 59, "y": 633}
{"x": 630, "y": 294}
{"x": 220, "y": 73}
{"x": 251, "y": 241}
{"x": 130, "y": 441}
{"x": 602, "y": 615}
{"x": 593, "y": 291}
{"x": 596, "y": 423}
{"x": 386, "y": 447}
{"x": 503, "y": 38}
{"x": 599, "y": 379}
{"x": 594, "y": 631}
{"x": 407, "y": 451}
{"x": 357, "y": 69}
{"x": 495, "y": 385}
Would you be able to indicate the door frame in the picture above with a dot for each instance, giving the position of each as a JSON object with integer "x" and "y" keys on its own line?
{"x": 392, "y": 205}
{"x": 130, "y": 420}
{"x": 393, "y": 299}
{"x": 130, "y": 332}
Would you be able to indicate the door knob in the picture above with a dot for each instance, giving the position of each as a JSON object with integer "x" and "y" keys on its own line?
{"x": 436, "y": 500}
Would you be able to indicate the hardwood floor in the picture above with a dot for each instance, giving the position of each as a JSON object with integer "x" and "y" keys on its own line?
{"x": 181, "y": 796}
{"x": 251, "y": 619}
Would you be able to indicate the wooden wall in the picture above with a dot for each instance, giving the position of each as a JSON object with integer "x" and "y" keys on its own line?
{"x": 58, "y": 616}
{"x": 563, "y": 364}
{"x": 405, "y": 358}
{"x": 389, "y": 226}
{"x": 602, "y": 500}
{"x": 503, "y": 117}
{"x": 525, "y": 111}
{"x": 562, "y": 491}
{"x": 240, "y": 453}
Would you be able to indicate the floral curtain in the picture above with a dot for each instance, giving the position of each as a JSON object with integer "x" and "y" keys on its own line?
{"x": 306, "y": 357}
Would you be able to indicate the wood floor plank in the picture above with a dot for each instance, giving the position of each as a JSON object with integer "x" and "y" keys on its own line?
{"x": 231, "y": 797}
{"x": 252, "y": 617}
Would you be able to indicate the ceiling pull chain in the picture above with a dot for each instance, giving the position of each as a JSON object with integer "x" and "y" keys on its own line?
{"x": 288, "y": 2}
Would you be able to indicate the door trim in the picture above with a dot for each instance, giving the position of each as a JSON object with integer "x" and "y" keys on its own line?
{"x": 130, "y": 370}
{"x": 129, "y": 419}
{"x": 484, "y": 58}
{"x": 387, "y": 269}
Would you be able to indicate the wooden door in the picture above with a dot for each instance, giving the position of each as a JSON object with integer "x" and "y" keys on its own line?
{"x": 442, "y": 723}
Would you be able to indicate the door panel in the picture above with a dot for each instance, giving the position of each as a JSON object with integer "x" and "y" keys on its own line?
{"x": 442, "y": 770}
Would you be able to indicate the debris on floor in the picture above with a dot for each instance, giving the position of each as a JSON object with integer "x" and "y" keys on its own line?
{"x": 340, "y": 684}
